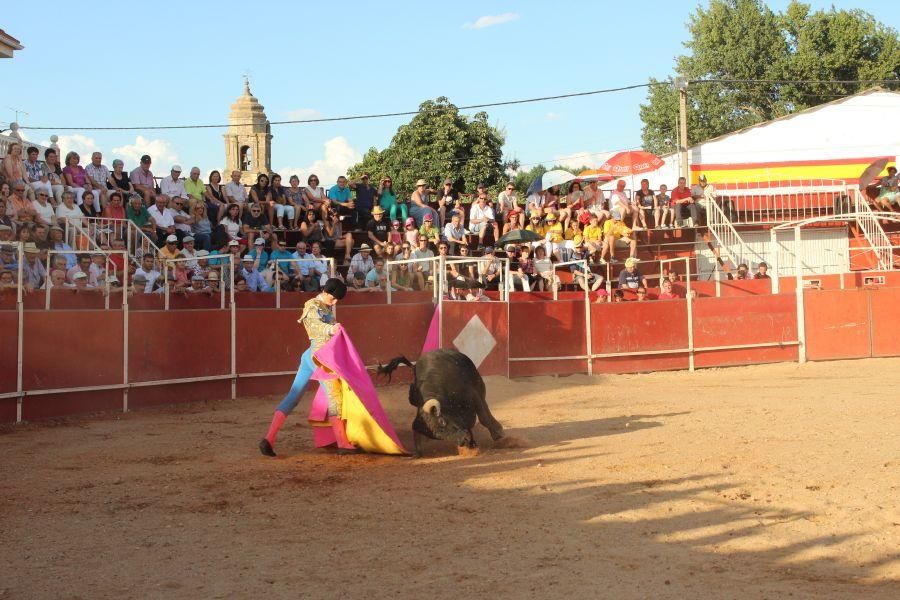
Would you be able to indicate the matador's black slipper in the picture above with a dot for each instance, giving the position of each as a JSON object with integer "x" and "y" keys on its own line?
{"x": 266, "y": 448}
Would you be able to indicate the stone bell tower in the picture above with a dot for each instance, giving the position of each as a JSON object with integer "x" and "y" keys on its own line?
{"x": 248, "y": 143}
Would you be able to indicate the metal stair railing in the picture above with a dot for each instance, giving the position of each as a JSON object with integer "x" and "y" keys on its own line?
{"x": 727, "y": 237}
{"x": 873, "y": 231}
{"x": 139, "y": 243}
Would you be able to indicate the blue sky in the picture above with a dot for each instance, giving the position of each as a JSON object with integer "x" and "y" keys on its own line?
{"x": 182, "y": 63}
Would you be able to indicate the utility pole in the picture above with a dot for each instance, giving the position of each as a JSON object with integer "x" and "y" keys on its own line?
{"x": 681, "y": 84}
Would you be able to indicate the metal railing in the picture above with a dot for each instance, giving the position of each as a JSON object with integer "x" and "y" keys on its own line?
{"x": 139, "y": 243}
{"x": 780, "y": 201}
{"x": 871, "y": 228}
{"x": 296, "y": 261}
{"x": 222, "y": 283}
{"x": 727, "y": 237}
{"x": 436, "y": 267}
{"x": 106, "y": 289}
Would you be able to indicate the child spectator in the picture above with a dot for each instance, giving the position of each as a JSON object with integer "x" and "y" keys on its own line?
{"x": 411, "y": 233}
{"x": 762, "y": 271}
{"x": 663, "y": 210}
{"x": 641, "y": 294}
{"x": 743, "y": 272}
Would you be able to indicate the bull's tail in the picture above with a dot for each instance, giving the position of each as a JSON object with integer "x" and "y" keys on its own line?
{"x": 395, "y": 362}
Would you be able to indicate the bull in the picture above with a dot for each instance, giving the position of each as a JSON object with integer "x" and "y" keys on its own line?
{"x": 448, "y": 393}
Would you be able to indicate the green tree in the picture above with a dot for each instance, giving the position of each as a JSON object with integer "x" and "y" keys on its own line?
{"x": 439, "y": 143}
{"x": 744, "y": 39}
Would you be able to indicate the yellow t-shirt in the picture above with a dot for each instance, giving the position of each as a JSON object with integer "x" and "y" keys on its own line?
{"x": 617, "y": 228}
{"x": 538, "y": 229}
{"x": 593, "y": 233}
{"x": 556, "y": 232}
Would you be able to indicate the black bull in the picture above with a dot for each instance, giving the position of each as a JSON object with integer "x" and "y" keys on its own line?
{"x": 448, "y": 394}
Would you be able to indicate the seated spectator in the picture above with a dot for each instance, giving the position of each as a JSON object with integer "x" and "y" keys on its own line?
{"x": 236, "y": 193}
{"x": 491, "y": 269}
{"x": 358, "y": 283}
{"x": 138, "y": 214}
{"x": 56, "y": 280}
{"x": 429, "y": 231}
{"x": 586, "y": 280}
{"x": 81, "y": 283}
{"x": 143, "y": 182}
{"x": 315, "y": 196}
{"x": 318, "y": 270}
{"x": 553, "y": 236}
{"x": 377, "y": 230}
{"x": 630, "y": 278}
{"x": 214, "y": 198}
{"x": 482, "y": 218}
{"x": 195, "y": 188}
{"x": 377, "y": 278}
{"x": 147, "y": 273}
{"x": 419, "y": 203}
{"x": 42, "y": 209}
{"x": 663, "y": 209}
{"x": 682, "y": 201}
{"x": 259, "y": 254}
{"x": 33, "y": 271}
{"x": 457, "y": 287}
{"x": 163, "y": 219}
{"x": 545, "y": 274}
{"x": 401, "y": 278}
{"x": 535, "y": 225}
{"x": 615, "y": 233}
{"x": 202, "y": 266}
{"x": 280, "y": 210}
{"x": 641, "y": 294}
{"x": 183, "y": 220}
{"x": 888, "y": 190}
{"x": 454, "y": 232}
{"x": 170, "y": 248}
{"x": 301, "y": 267}
{"x": 57, "y": 244}
{"x": 197, "y": 286}
{"x": 259, "y": 191}
{"x": 362, "y": 261}
{"x": 297, "y": 199}
{"x": 280, "y": 253}
{"x": 19, "y": 205}
{"x": 173, "y": 186}
{"x": 521, "y": 270}
{"x": 114, "y": 208}
{"x": 341, "y": 198}
{"x": 87, "y": 205}
{"x": 97, "y": 175}
{"x": 13, "y": 165}
{"x": 508, "y": 209}
{"x": 37, "y": 174}
{"x": 212, "y": 281}
{"x": 8, "y": 279}
{"x": 54, "y": 171}
{"x": 118, "y": 180}
{"x": 201, "y": 226}
{"x": 667, "y": 292}
{"x": 84, "y": 265}
{"x": 40, "y": 236}
{"x": 762, "y": 271}
{"x": 619, "y": 201}
{"x": 255, "y": 221}
{"x": 253, "y": 278}
{"x": 77, "y": 180}
{"x": 743, "y": 272}
{"x": 189, "y": 251}
{"x": 312, "y": 228}
{"x": 644, "y": 200}
{"x": 422, "y": 270}
{"x": 232, "y": 221}
{"x": 592, "y": 234}
{"x": 411, "y": 233}
{"x": 475, "y": 292}
{"x": 512, "y": 222}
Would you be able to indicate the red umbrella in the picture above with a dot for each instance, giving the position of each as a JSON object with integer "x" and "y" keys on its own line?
{"x": 632, "y": 162}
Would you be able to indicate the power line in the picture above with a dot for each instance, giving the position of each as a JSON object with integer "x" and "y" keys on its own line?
{"x": 360, "y": 117}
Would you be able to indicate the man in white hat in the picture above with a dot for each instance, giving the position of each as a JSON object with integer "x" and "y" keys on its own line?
{"x": 33, "y": 271}
{"x": 170, "y": 248}
{"x": 173, "y": 186}
{"x": 362, "y": 261}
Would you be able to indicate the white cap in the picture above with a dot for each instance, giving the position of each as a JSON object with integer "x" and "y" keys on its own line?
{"x": 259, "y": 241}
{"x": 234, "y": 243}
{"x": 176, "y": 168}
{"x": 172, "y": 238}
{"x": 187, "y": 238}
{"x": 79, "y": 275}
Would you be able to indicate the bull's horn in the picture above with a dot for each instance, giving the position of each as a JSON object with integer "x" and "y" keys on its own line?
{"x": 432, "y": 405}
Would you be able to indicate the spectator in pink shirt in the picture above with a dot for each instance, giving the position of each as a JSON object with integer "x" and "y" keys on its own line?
{"x": 142, "y": 180}
{"x": 77, "y": 180}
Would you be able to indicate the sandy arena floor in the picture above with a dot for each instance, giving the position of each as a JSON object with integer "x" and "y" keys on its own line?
{"x": 758, "y": 482}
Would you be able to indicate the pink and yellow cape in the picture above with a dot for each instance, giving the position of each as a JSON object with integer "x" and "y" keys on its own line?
{"x": 367, "y": 425}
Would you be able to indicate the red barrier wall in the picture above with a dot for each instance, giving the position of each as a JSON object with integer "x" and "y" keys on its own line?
{"x": 837, "y": 324}
{"x": 9, "y": 351}
{"x": 72, "y": 349}
{"x": 547, "y": 329}
{"x": 885, "y": 329}
{"x": 633, "y": 327}
{"x": 177, "y": 345}
{"x": 744, "y": 320}
{"x": 493, "y": 315}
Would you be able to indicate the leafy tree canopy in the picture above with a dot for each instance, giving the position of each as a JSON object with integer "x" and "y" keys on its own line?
{"x": 437, "y": 144}
{"x": 744, "y": 39}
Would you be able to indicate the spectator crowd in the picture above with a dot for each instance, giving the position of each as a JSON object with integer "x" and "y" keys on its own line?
{"x": 290, "y": 236}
